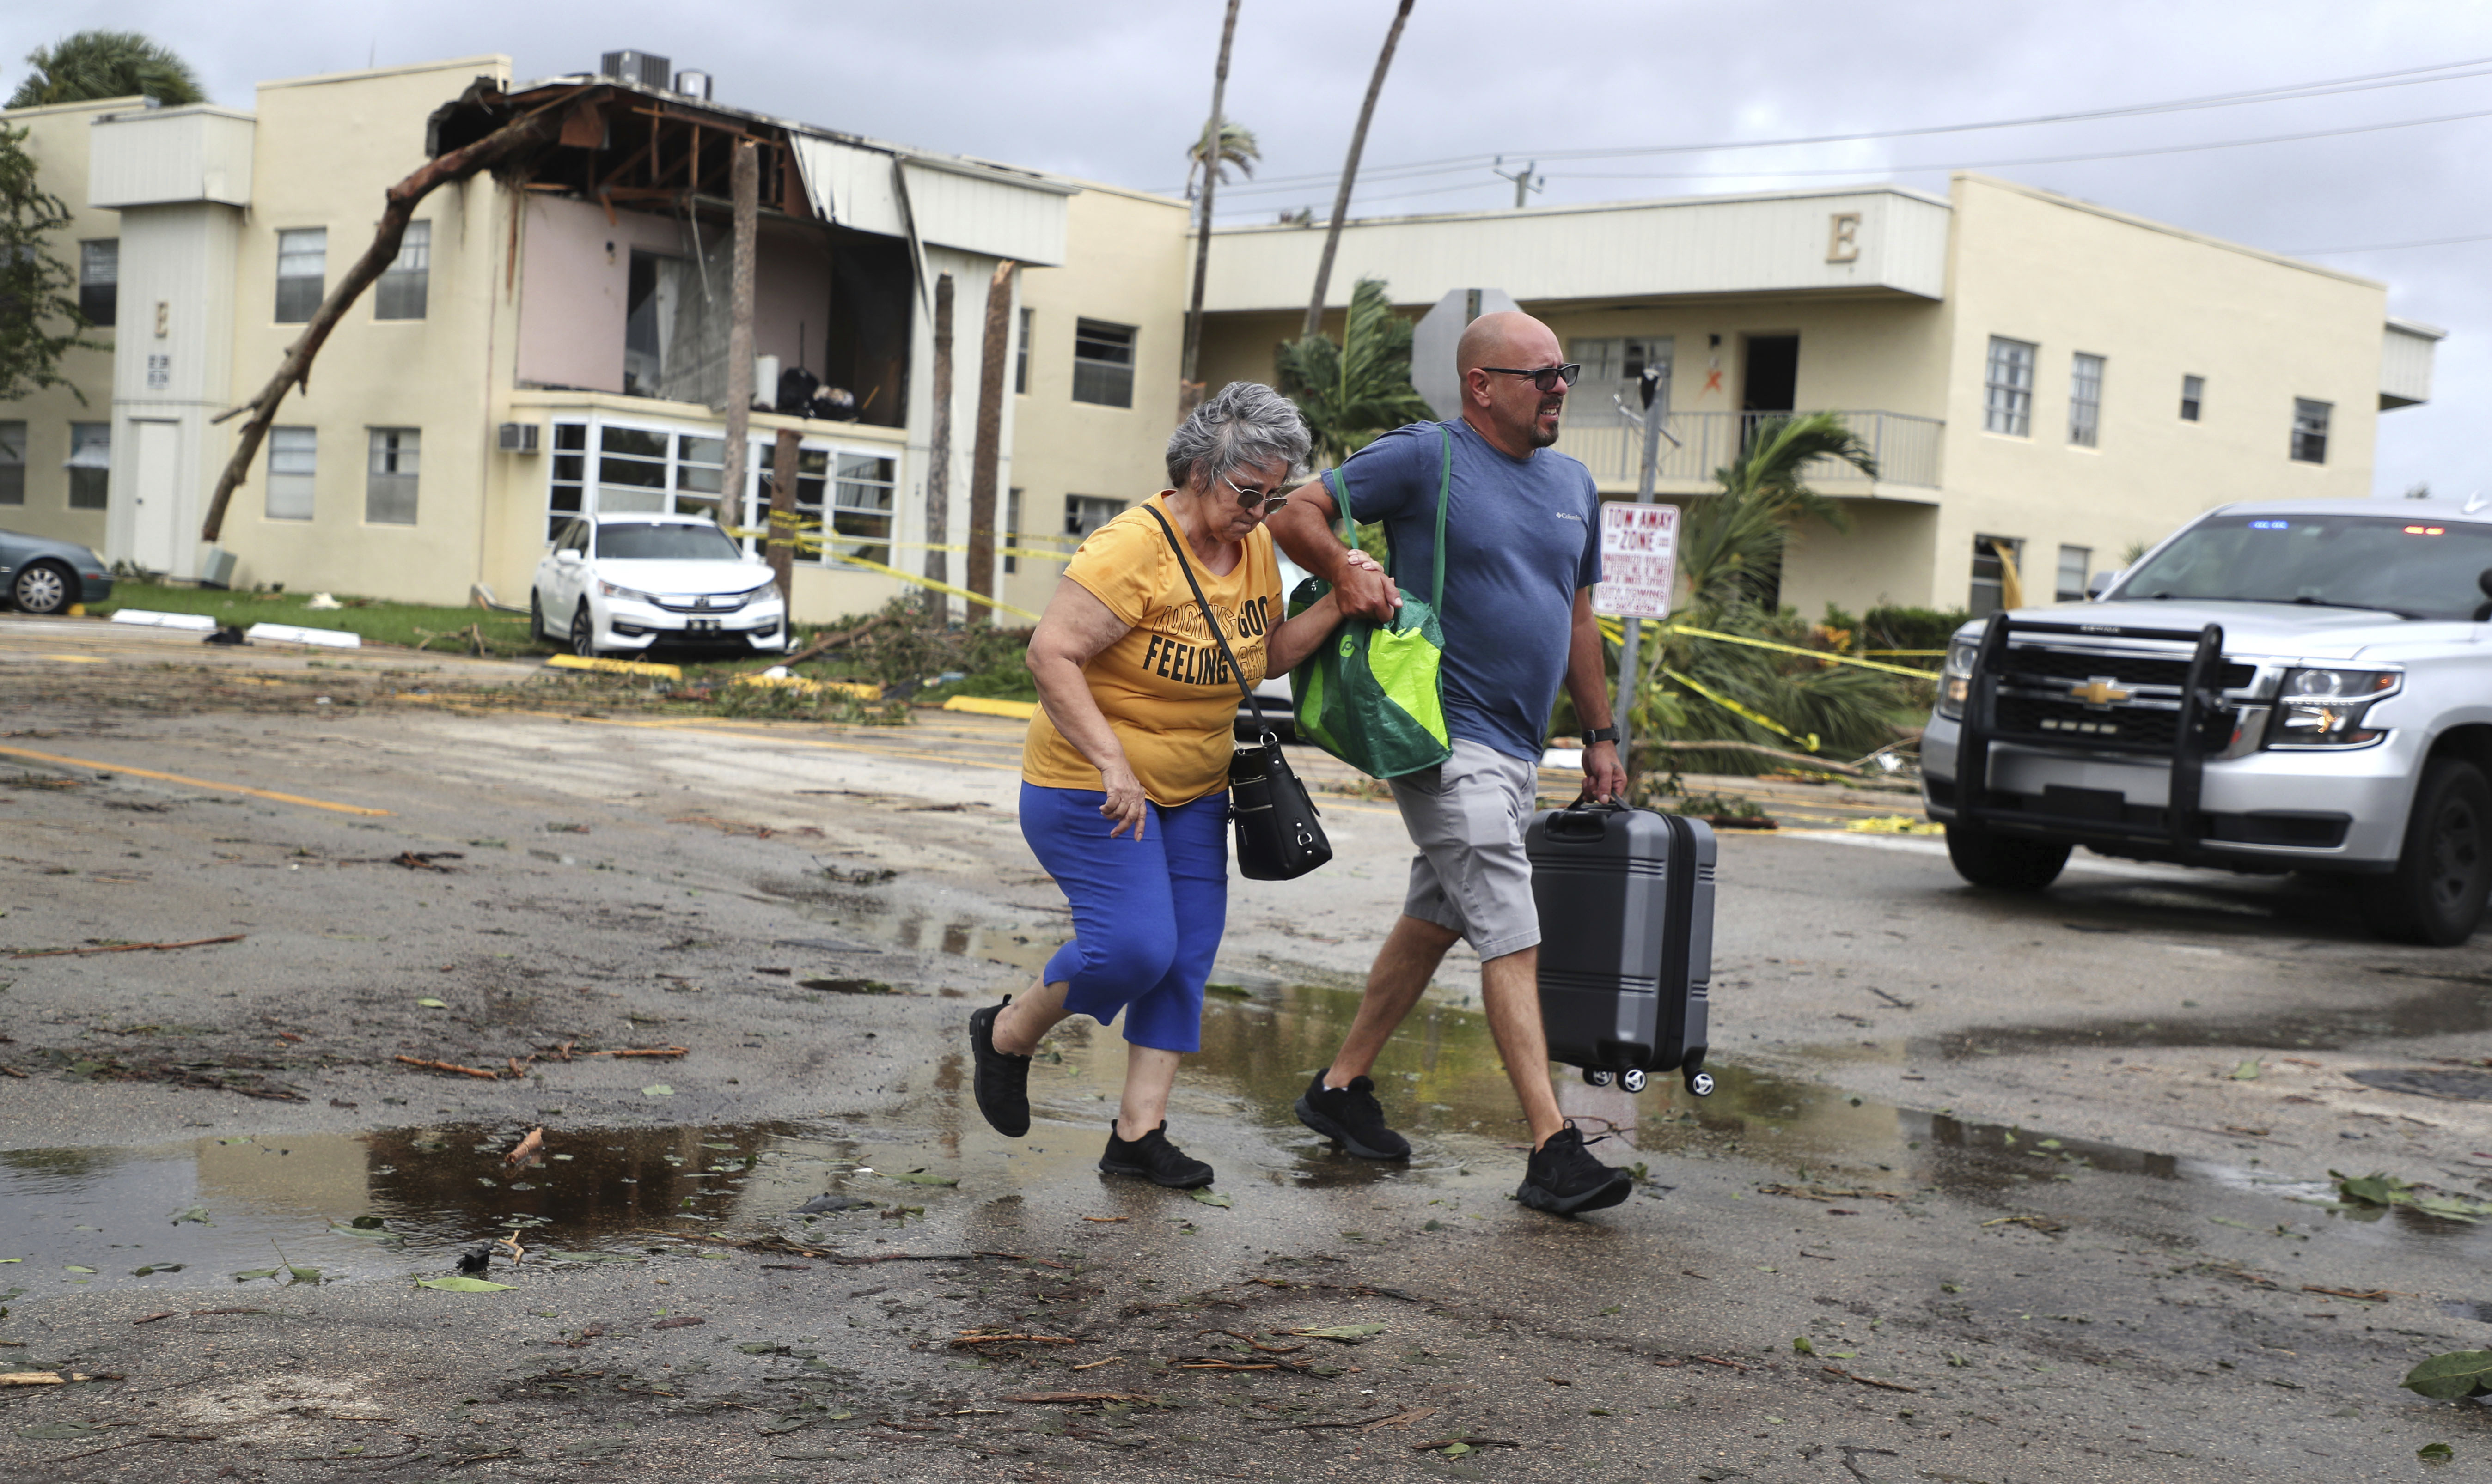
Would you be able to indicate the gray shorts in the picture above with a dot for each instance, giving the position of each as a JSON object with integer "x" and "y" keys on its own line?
{"x": 1470, "y": 875}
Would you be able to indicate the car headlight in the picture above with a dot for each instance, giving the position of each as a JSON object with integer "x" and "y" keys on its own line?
{"x": 628, "y": 594}
{"x": 1955, "y": 677}
{"x": 2324, "y": 708}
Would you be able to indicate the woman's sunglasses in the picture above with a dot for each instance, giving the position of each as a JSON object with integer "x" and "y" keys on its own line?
{"x": 1252, "y": 500}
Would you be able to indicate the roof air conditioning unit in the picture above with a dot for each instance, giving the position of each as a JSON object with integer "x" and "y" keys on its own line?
{"x": 640, "y": 66}
{"x": 516, "y": 438}
{"x": 692, "y": 83}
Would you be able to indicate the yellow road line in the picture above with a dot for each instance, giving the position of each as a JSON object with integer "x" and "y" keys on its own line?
{"x": 73, "y": 659}
{"x": 174, "y": 777}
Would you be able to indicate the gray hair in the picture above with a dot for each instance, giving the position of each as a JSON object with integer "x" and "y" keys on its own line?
{"x": 1243, "y": 422}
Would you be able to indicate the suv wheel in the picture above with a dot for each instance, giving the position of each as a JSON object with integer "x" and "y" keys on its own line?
{"x": 2436, "y": 895}
{"x": 583, "y": 632}
{"x": 43, "y": 587}
{"x": 2004, "y": 862}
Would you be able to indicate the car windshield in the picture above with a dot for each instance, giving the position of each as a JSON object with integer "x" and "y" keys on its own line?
{"x": 2423, "y": 568}
{"x": 666, "y": 544}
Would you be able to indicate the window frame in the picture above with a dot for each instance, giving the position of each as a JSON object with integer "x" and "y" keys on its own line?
{"x": 1606, "y": 361}
{"x": 2193, "y": 397}
{"x": 1021, "y": 352}
{"x": 2307, "y": 446}
{"x": 2086, "y": 372}
{"x": 1996, "y": 582}
{"x": 301, "y": 483}
{"x": 1106, "y": 506}
{"x": 90, "y": 486}
{"x": 1105, "y": 376}
{"x": 2008, "y": 406}
{"x": 285, "y": 312}
{"x": 574, "y": 489}
{"x": 1011, "y": 533}
{"x": 402, "y": 445}
{"x": 2085, "y": 556}
{"x": 403, "y": 291}
{"x": 14, "y": 451}
{"x": 109, "y": 299}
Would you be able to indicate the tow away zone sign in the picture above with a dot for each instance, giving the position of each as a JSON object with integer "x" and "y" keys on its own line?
{"x": 1639, "y": 560}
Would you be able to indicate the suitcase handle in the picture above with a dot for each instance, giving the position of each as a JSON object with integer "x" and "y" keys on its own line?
{"x": 1583, "y": 820}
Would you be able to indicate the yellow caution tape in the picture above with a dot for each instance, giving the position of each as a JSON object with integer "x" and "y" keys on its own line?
{"x": 860, "y": 690}
{"x": 614, "y": 666}
{"x": 1895, "y": 823}
{"x": 940, "y": 587}
{"x": 1614, "y": 630}
{"x": 808, "y": 537}
{"x": 1807, "y": 743}
{"x": 1019, "y": 709}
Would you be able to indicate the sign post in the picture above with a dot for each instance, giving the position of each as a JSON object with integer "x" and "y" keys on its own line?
{"x": 1639, "y": 556}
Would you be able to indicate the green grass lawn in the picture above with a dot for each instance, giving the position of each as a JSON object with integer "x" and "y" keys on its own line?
{"x": 378, "y": 622}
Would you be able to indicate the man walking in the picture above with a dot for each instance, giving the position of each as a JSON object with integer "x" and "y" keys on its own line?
{"x": 1522, "y": 553}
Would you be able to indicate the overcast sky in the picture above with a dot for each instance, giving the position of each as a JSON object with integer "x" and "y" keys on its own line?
{"x": 1113, "y": 90}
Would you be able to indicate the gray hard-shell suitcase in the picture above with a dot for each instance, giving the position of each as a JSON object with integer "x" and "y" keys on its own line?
{"x": 1626, "y": 941}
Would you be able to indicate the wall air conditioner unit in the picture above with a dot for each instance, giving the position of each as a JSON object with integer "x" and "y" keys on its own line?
{"x": 516, "y": 438}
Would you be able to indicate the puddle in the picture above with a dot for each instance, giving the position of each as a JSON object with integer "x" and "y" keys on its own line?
{"x": 2463, "y": 1083}
{"x": 2456, "y": 1005}
{"x": 441, "y": 1189}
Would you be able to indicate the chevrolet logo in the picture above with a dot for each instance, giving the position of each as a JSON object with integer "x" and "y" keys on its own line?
{"x": 2099, "y": 691}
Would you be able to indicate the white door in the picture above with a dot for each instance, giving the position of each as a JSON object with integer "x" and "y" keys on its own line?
{"x": 155, "y": 453}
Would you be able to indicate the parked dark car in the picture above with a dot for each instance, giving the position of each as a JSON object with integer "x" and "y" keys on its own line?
{"x": 42, "y": 575}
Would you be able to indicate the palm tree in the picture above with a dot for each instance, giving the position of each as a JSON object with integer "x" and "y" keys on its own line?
{"x": 1353, "y": 391}
{"x": 1216, "y": 144}
{"x": 1350, "y": 170}
{"x": 1237, "y": 147}
{"x": 1731, "y": 550}
{"x": 105, "y": 64}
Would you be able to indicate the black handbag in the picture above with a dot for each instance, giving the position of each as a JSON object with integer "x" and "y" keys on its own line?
{"x": 1279, "y": 837}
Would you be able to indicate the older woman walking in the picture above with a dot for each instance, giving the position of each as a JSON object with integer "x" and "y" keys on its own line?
{"x": 1124, "y": 774}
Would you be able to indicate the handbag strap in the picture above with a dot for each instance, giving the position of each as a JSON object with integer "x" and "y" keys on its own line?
{"x": 1334, "y": 482}
{"x": 1208, "y": 621}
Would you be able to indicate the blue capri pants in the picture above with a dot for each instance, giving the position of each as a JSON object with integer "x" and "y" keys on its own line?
{"x": 1147, "y": 915}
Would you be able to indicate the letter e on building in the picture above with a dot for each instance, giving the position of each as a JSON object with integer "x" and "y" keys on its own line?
{"x": 1843, "y": 238}
{"x": 1639, "y": 560}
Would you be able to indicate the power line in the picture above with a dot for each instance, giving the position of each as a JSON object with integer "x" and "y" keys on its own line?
{"x": 2436, "y": 241}
{"x": 2453, "y": 71}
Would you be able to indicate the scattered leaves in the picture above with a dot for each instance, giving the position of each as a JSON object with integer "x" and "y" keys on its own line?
{"x": 465, "y": 1285}
{"x": 2453, "y": 1375}
{"x": 1212, "y": 1198}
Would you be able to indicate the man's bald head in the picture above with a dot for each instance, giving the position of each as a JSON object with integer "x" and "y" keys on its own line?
{"x": 1499, "y": 340}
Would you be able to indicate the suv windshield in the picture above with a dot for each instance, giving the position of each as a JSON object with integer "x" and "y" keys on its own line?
{"x": 666, "y": 542}
{"x": 2421, "y": 569}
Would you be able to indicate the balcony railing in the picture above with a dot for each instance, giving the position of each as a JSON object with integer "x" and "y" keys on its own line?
{"x": 1907, "y": 449}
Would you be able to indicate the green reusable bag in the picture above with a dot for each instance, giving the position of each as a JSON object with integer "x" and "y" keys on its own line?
{"x": 1372, "y": 697}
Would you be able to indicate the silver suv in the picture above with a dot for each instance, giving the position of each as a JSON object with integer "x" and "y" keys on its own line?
{"x": 2300, "y": 686}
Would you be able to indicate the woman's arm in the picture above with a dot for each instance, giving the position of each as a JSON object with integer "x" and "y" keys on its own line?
{"x": 1294, "y": 639}
{"x": 1075, "y": 630}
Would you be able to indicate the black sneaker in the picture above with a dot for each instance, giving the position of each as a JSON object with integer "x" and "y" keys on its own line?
{"x": 1002, "y": 1079}
{"x": 1352, "y": 1118}
{"x": 1152, "y": 1157}
{"x": 1563, "y": 1177}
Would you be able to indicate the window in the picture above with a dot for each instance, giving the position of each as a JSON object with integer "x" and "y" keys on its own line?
{"x": 302, "y": 274}
{"x": 1085, "y": 513}
{"x": 2193, "y": 396}
{"x": 657, "y": 472}
{"x": 292, "y": 459}
{"x": 1613, "y": 367}
{"x": 566, "y": 481}
{"x": 1021, "y": 357}
{"x": 674, "y": 347}
{"x": 2009, "y": 409}
{"x": 99, "y": 279}
{"x": 2310, "y": 430}
{"x": 401, "y": 292}
{"x": 1996, "y": 580}
{"x": 2085, "y": 399}
{"x": 1010, "y": 536}
{"x": 2075, "y": 564}
{"x": 389, "y": 482}
{"x": 13, "y": 463}
{"x": 90, "y": 465}
{"x": 1103, "y": 364}
{"x": 861, "y": 504}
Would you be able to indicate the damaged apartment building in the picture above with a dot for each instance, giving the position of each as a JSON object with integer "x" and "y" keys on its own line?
{"x": 550, "y": 340}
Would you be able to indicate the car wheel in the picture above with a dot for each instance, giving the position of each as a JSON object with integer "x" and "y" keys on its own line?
{"x": 2004, "y": 862}
{"x": 43, "y": 587}
{"x": 536, "y": 617}
{"x": 583, "y": 633}
{"x": 2436, "y": 895}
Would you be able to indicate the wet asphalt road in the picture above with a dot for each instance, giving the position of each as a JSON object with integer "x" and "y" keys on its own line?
{"x": 2035, "y": 1178}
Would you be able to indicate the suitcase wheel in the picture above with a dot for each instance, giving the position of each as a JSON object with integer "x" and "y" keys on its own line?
{"x": 1632, "y": 1079}
{"x": 1596, "y": 1076}
{"x": 1701, "y": 1084}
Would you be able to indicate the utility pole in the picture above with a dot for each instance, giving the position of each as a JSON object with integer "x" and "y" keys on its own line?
{"x": 745, "y": 183}
{"x": 938, "y": 452}
{"x": 1654, "y": 389}
{"x": 1524, "y": 179}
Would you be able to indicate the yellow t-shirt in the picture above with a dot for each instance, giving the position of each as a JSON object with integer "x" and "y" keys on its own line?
{"x": 1164, "y": 688}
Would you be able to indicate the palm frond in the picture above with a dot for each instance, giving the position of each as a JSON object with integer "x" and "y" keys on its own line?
{"x": 1352, "y": 391}
{"x": 106, "y": 63}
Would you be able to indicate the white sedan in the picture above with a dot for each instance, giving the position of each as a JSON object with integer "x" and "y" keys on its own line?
{"x": 623, "y": 584}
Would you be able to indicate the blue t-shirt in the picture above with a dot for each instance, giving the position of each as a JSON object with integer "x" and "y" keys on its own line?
{"x": 1521, "y": 536}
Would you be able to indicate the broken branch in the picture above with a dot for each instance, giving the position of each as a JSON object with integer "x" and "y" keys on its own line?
{"x": 131, "y": 948}
{"x": 534, "y": 1142}
{"x": 451, "y": 1067}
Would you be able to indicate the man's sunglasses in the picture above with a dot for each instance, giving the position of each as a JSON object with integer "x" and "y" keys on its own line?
{"x": 1548, "y": 377}
{"x": 1250, "y": 500}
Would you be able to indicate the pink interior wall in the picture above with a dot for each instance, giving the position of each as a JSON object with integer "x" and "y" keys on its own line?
{"x": 576, "y": 273}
